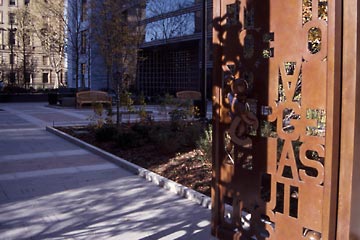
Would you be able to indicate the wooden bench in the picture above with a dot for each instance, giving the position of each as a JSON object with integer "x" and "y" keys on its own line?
{"x": 192, "y": 95}
{"x": 92, "y": 97}
{"x": 188, "y": 97}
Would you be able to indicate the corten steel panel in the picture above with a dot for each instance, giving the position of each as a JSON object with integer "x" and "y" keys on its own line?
{"x": 276, "y": 119}
{"x": 348, "y": 226}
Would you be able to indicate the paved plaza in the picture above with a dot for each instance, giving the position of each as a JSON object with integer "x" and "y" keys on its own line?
{"x": 53, "y": 189}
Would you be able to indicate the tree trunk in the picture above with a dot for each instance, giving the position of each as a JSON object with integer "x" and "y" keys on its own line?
{"x": 118, "y": 113}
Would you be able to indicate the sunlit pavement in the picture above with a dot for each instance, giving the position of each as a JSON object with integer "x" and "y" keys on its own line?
{"x": 52, "y": 189}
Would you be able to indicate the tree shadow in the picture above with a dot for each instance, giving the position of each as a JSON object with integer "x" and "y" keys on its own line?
{"x": 240, "y": 91}
{"x": 120, "y": 207}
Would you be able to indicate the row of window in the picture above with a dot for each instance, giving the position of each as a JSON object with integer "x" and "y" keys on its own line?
{"x": 83, "y": 42}
{"x": 12, "y": 39}
{"x": 45, "y": 76}
{"x": 11, "y": 18}
{"x": 83, "y": 16}
{"x": 11, "y": 14}
{"x": 13, "y": 59}
{"x": 13, "y": 2}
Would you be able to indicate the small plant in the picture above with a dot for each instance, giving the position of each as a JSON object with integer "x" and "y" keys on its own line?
{"x": 127, "y": 101}
{"x": 144, "y": 116}
{"x": 190, "y": 109}
{"x": 109, "y": 115}
{"x": 166, "y": 101}
{"x": 169, "y": 99}
{"x": 177, "y": 117}
{"x": 142, "y": 99}
{"x": 97, "y": 119}
{"x": 194, "y": 111}
{"x": 205, "y": 145}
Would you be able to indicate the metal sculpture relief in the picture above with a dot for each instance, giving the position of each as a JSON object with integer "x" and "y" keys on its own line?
{"x": 270, "y": 104}
{"x": 242, "y": 120}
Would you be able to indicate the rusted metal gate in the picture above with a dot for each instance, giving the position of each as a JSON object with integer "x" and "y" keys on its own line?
{"x": 276, "y": 95}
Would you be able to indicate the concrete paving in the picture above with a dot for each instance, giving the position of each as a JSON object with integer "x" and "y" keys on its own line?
{"x": 53, "y": 189}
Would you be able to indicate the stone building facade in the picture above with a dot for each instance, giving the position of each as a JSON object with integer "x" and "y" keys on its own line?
{"x": 24, "y": 61}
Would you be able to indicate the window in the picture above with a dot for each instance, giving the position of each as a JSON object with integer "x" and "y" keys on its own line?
{"x": 83, "y": 71}
{"x": 27, "y": 77}
{"x": 26, "y": 2}
{"x": 12, "y": 2}
{"x": 12, "y": 39}
{"x": 45, "y": 77}
{"x": 11, "y": 18}
{"x": 1, "y": 2}
{"x": 1, "y": 17}
{"x": 83, "y": 42}
{"x": 46, "y": 61}
{"x": 2, "y": 43}
{"x": 12, "y": 58}
{"x": 83, "y": 10}
{"x": 12, "y": 77}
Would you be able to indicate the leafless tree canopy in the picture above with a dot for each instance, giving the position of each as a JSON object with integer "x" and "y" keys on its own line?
{"x": 168, "y": 27}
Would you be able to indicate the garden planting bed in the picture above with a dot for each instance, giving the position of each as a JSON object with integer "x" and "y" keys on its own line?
{"x": 178, "y": 151}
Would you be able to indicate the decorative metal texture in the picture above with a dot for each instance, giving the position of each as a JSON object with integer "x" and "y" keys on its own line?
{"x": 270, "y": 119}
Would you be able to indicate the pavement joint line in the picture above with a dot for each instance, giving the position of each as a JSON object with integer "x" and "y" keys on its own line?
{"x": 28, "y": 118}
{"x": 7, "y": 176}
{"x": 96, "y": 167}
{"x": 55, "y": 171}
{"x": 37, "y": 155}
{"x": 22, "y": 129}
{"x": 155, "y": 178}
{"x": 81, "y": 115}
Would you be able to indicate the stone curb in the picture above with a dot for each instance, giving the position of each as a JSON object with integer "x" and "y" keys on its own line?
{"x": 158, "y": 180}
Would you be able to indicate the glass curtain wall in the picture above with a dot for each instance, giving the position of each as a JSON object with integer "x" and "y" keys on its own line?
{"x": 170, "y": 56}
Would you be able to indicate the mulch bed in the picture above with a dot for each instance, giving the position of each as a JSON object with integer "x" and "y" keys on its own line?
{"x": 184, "y": 166}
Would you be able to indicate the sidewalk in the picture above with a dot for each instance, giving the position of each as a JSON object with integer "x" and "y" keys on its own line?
{"x": 53, "y": 189}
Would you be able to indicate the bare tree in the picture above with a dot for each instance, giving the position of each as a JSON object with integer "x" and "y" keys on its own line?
{"x": 76, "y": 14}
{"x": 114, "y": 29}
{"x": 50, "y": 26}
{"x": 172, "y": 26}
{"x": 25, "y": 54}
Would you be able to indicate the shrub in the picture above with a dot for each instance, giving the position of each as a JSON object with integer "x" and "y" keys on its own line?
{"x": 100, "y": 116}
{"x": 159, "y": 135}
{"x": 109, "y": 115}
{"x": 106, "y": 133}
{"x": 166, "y": 139}
{"x": 14, "y": 89}
{"x": 141, "y": 129}
{"x": 129, "y": 139}
{"x": 177, "y": 118}
{"x": 192, "y": 133}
